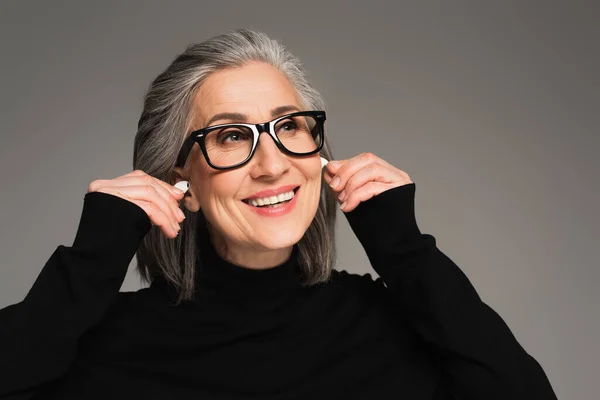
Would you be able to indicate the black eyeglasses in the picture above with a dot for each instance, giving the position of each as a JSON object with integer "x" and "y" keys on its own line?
{"x": 228, "y": 146}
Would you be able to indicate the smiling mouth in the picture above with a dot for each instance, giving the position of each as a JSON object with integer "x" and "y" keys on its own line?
{"x": 254, "y": 202}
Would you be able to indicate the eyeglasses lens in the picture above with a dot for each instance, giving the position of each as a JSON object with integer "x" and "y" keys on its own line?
{"x": 228, "y": 146}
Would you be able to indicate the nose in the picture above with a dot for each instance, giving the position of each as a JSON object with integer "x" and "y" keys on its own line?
{"x": 268, "y": 160}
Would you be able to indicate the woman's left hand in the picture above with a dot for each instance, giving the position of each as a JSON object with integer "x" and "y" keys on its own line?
{"x": 361, "y": 177}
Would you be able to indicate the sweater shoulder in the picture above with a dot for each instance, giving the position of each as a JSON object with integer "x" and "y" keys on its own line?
{"x": 359, "y": 283}
{"x": 355, "y": 278}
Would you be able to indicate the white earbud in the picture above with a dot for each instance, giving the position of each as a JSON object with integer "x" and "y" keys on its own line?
{"x": 324, "y": 162}
{"x": 182, "y": 185}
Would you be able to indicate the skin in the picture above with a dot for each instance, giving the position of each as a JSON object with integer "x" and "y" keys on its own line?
{"x": 362, "y": 177}
{"x": 238, "y": 234}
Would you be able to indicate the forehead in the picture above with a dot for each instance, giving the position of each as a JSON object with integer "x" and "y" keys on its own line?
{"x": 254, "y": 90}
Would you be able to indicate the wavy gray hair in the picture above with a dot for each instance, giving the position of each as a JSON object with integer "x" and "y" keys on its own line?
{"x": 167, "y": 115}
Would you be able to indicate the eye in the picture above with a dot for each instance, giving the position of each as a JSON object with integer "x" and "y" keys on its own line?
{"x": 286, "y": 126}
{"x": 289, "y": 125}
{"x": 233, "y": 135}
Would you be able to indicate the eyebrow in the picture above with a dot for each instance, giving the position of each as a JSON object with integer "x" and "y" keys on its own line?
{"x": 239, "y": 117}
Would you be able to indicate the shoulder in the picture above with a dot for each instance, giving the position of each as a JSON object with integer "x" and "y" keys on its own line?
{"x": 354, "y": 278}
{"x": 133, "y": 305}
{"x": 359, "y": 283}
{"x": 147, "y": 297}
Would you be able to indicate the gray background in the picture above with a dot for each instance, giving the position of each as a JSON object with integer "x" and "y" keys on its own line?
{"x": 491, "y": 108}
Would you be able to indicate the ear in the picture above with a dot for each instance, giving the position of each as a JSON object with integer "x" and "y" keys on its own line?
{"x": 190, "y": 200}
{"x": 177, "y": 174}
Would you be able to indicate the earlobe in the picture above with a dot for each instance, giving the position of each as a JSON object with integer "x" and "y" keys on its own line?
{"x": 189, "y": 200}
{"x": 190, "y": 204}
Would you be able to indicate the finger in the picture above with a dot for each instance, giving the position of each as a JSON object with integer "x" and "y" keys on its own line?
{"x": 158, "y": 215}
{"x": 175, "y": 192}
{"x": 169, "y": 196}
{"x": 139, "y": 173}
{"x": 371, "y": 172}
{"x": 153, "y": 194}
{"x": 136, "y": 172}
{"x": 350, "y": 167}
{"x": 165, "y": 224}
{"x": 334, "y": 165}
{"x": 364, "y": 193}
{"x": 155, "y": 212}
{"x": 327, "y": 176}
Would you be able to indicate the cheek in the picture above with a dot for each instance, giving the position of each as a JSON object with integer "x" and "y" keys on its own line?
{"x": 311, "y": 168}
{"x": 223, "y": 187}
{"x": 314, "y": 188}
{"x": 201, "y": 181}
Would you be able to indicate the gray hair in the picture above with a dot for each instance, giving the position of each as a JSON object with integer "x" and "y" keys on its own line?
{"x": 167, "y": 114}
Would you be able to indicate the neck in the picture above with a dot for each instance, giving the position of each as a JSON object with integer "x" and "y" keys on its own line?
{"x": 250, "y": 257}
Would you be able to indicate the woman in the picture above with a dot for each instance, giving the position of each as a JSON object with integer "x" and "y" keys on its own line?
{"x": 243, "y": 300}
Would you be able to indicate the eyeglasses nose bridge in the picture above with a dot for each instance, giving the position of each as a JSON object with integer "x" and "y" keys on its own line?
{"x": 262, "y": 128}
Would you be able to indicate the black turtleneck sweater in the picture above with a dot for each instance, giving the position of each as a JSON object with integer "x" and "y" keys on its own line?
{"x": 420, "y": 331}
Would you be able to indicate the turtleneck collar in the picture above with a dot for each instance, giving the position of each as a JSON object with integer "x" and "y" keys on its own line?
{"x": 215, "y": 273}
{"x": 231, "y": 283}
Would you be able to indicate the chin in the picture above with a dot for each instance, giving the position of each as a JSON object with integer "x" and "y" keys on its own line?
{"x": 278, "y": 239}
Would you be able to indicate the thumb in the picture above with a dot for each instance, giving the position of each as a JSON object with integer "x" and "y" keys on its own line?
{"x": 333, "y": 166}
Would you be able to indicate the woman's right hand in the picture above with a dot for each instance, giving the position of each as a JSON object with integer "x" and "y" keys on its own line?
{"x": 157, "y": 198}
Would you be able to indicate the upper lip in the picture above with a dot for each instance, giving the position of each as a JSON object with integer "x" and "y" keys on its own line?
{"x": 272, "y": 192}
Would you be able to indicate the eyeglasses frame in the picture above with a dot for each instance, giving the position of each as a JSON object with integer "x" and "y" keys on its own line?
{"x": 198, "y": 136}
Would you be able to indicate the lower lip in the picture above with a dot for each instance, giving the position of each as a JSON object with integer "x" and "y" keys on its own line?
{"x": 275, "y": 211}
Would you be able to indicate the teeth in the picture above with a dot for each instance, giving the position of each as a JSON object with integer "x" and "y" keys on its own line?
{"x": 272, "y": 199}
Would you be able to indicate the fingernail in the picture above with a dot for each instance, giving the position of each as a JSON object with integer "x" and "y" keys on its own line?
{"x": 343, "y": 205}
{"x": 181, "y": 214}
{"x": 341, "y": 196}
{"x": 335, "y": 182}
{"x": 177, "y": 191}
{"x": 334, "y": 164}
